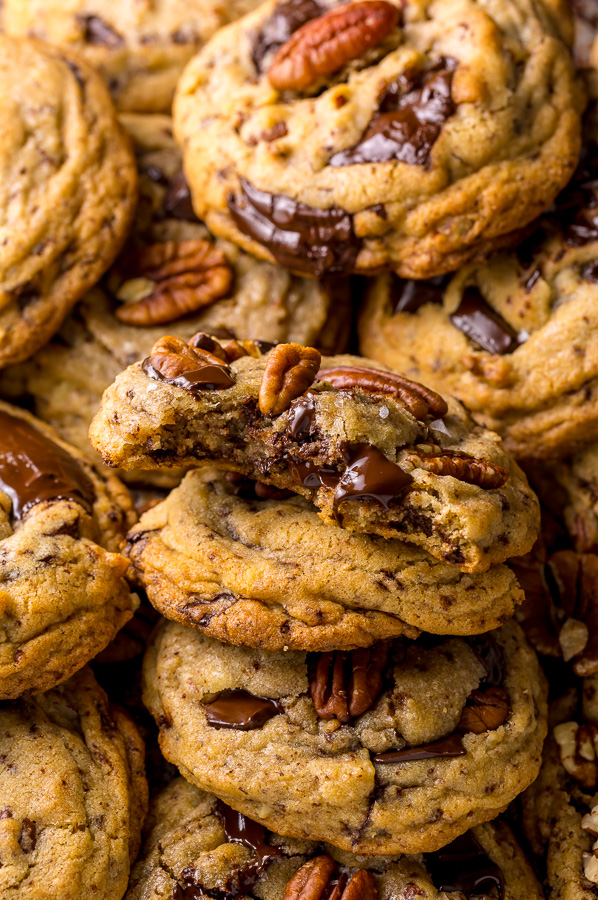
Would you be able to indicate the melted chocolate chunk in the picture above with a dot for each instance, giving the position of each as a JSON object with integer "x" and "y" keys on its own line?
{"x": 412, "y": 113}
{"x": 177, "y": 202}
{"x": 301, "y": 417}
{"x": 206, "y": 378}
{"x": 284, "y": 21}
{"x": 34, "y": 469}
{"x": 300, "y": 237}
{"x": 313, "y": 476}
{"x": 370, "y": 476}
{"x": 576, "y": 207}
{"x": 448, "y": 746}
{"x": 97, "y": 31}
{"x": 492, "y": 656}
{"x": 407, "y": 295}
{"x": 241, "y": 710}
{"x": 476, "y": 319}
{"x": 463, "y": 866}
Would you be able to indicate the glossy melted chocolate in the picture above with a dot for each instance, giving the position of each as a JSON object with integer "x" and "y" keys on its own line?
{"x": 463, "y": 866}
{"x": 206, "y": 378}
{"x": 476, "y": 319}
{"x": 412, "y": 112}
{"x": 407, "y": 295}
{"x": 492, "y": 657}
{"x": 34, "y": 469}
{"x": 284, "y": 21}
{"x": 177, "y": 202}
{"x": 300, "y": 237}
{"x": 447, "y": 746}
{"x": 370, "y": 476}
{"x": 241, "y": 710}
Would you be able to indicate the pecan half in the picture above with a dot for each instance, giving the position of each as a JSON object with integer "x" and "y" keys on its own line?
{"x": 417, "y": 399}
{"x": 575, "y": 582}
{"x": 466, "y": 468}
{"x": 315, "y": 880}
{"x": 577, "y": 750}
{"x": 345, "y": 685}
{"x": 181, "y": 277}
{"x": 326, "y": 44}
{"x": 291, "y": 369}
{"x": 172, "y": 358}
{"x": 484, "y": 711}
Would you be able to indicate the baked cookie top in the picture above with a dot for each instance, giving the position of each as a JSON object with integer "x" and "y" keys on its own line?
{"x": 197, "y": 845}
{"x": 67, "y": 192}
{"x": 373, "y": 451}
{"x": 73, "y": 794}
{"x": 222, "y": 557}
{"x": 375, "y": 134}
{"x": 399, "y": 748}
{"x": 139, "y": 46}
{"x": 63, "y": 596}
{"x": 513, "y": 338}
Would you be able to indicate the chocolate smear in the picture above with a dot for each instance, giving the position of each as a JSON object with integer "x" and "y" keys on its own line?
{"x": 370, "y": 476}
{"x": 34, "y": 469}
{"x": 476, "y": 319}
{"x": 284, "y": 21}
{"x": 205, "y": 378}
{"x": 313, "y": 476}
{"x": 240, "y": 710}
{"x": 301, "y": 417}
{"x": 97, "y": 31}
{"x": 463, "y": 866}
{"x": 448, "y": 746}
{"x": 412, "y": 113}
{"x": 177, "y": 202}
{"x": 300, "y": 237}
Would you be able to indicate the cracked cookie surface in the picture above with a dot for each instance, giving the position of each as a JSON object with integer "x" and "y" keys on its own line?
{"x": 410, "y": 136}
{"x": 354, "y": 450}
{"x": 63, "y": 595}
{"x": 297, "y": 770}
{"x": 139, "y": 46}
{"x": 271, "y": 574}
{"x": 67, "y": 194}
{"x": 73, "y": 794}
{"x": 188, "y": 846}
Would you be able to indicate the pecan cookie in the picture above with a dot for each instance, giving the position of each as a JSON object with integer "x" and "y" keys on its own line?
{"x": 197, "y": 846}
{"x": 399, "y": 748}
{"x": 375, "y": 134}
{"x": 269, "y": 573}
{"x": 139, "y": 46}
{"x": 63, "y": 596}
{"x": 516, "y": 339}
{"x": 373, "y": 451}
{"x": 73, "y": 794}
{"x": 67, "y": 191}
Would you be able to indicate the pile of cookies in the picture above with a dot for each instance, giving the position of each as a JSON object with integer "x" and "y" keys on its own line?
{"x": 299, "y": 450}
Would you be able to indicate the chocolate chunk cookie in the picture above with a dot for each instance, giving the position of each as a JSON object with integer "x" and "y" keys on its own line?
{"x": 140, "y": 48}
{"x": 373, "y": 451}
{"x": 73, "y": 794}
{"x": 269, "y": 573}
{"x": 67, "y": 190}
{"x": 63, "y": 596}
{"x": 198, "y": 846}
{"x": 375, "y": 134}
{"x": 395, "y": 749}
{"x": 515, "y": 339}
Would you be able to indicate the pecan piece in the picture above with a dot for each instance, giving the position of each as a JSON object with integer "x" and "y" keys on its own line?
{"x": 484, "y": 711}
{"x": 345, "y": 685}
{"x": 326, "y": 44}
{"x": 417, "y": 399}
{"x": 466, "y": 468}
{"x": 182, "y": 277}
{"x": 575, "y": 582}
{"x": 577, "y": 750}
{"x": 291, "y": 369}
{"x": 172, "y": 358}
{"x": 315, "y": 880}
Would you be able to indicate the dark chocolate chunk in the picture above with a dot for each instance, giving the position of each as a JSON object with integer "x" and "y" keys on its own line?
{"x": 206, "y": 378}
{"x": 492, "y": 656}
{"x": 300, "y": 237}
{"x": 241, "y": 710}
{"x": 370, "y": 476}
{"x": 301, "y": 417}
{"x": 475, "y": 318}
{"x": 408, "y": 124}
{"x": 283, "y": 22}
{"x": 448, "y": 746}
{"x": 463, "y": 867}
{"x": 576, "y": 207}
{"x": 97, "y": 31}
{"x": 407, "y": 295}
{"x": 177, "y": 202}
{"x": 590, "y": 272}
{"x": 34, "y": 469}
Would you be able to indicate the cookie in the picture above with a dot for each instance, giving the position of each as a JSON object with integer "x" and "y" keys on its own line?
{"x": 198, "y": 846}
{"x": 396, "y": 749}
{"x": 63, "y": 595}
{"x": 73, "y": 794}
{"x": 268, "y": 573}
{"x": 139, "y": 48}
{"x": 560, "y": 812}
{"x": 356, "y": 137}
{"x": 514, "y": 339}
{"x": 373, "y": 451}
{"x": 67, "y": 192}
{"x": 578, "y": 477}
